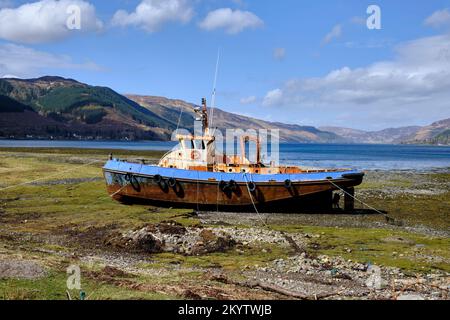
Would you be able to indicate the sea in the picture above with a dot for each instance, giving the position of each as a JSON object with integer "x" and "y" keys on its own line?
{"x": 357, "y": 156}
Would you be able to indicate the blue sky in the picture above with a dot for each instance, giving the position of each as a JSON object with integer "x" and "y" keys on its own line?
{"x": 275, "y": 63}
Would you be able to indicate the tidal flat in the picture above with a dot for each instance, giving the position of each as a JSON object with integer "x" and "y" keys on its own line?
{"x": 55, "y": 212}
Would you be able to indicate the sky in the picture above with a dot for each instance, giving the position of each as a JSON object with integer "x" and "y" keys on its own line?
{"x": 302, "y": 62}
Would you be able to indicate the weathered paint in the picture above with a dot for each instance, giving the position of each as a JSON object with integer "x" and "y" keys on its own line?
{"x": 192, "y": 188}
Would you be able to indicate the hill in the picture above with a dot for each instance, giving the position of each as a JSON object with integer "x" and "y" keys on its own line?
{"x": 170, "y": 109}
{"x": 74, "y": 109}
{"x": 59, "y": 108}
{"x": 386, "y": 136}
{"x": 435, "y": 133}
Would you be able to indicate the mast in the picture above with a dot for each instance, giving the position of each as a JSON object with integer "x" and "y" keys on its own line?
{"x": 213, "y": 98}
{"x": 204, "y": 115}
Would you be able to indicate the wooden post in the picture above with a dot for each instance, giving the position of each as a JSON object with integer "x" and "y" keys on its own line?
{"x": 349, "y": 201}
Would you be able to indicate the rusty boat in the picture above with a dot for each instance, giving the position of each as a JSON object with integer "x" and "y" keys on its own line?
{"x": 194, "y": 175}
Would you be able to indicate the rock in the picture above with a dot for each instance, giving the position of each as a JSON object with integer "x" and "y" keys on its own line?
{"x": 170, "y": 236}
{"x": 21, "y": 269}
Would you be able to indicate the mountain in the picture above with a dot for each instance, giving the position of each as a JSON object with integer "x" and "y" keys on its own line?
{"x": 59, "y": 108}
{"x": 433, "y": 133}
{"x": 442, "y": 138}
{"x": 55, "y": 107}
{"x": 65, "y": 108}
{"x": 436, "y": 133}
{"x": 171, "y": 110}
{"x": 387, "y": 136}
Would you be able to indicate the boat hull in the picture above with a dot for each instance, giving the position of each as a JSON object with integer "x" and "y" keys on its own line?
{"x": 230, "y": 192}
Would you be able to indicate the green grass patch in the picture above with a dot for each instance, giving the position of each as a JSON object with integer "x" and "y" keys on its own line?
{"x": 404, "y": 250}
{"x": 53, "y": 287}
{"x": 233, "y": 260}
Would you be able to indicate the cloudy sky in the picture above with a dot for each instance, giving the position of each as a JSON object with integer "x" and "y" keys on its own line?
{"x": 305, "y": 62}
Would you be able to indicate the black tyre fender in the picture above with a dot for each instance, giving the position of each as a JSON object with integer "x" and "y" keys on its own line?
{"x": 172, "y": 182}
{"x": 252, "y": 186}
{"x": 157, "y": 178}
{"x": 223, "y": 185}
{"x": 232, "y": 185}
{"x": 164, "y": 186}
{"x": 288, "y": 183}
{"x": 133, "y": 182}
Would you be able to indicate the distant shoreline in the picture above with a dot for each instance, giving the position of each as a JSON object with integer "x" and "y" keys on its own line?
{"x": 168, "y": 141}
{"x": 382, "y": 158}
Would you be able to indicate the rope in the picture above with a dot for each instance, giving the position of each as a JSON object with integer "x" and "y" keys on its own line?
{"x": 198, "y": 178}
{"x": 112, "y": 195}
{"x": 253, "y": 202}
{"x": 50, "y": 176}
{"x": 388, "y": 218}
{"x": 179, "y": 119}
{"x": 288, "y": 238}
{"x": 213, "y": 98}
{"x": 218, "y": 191}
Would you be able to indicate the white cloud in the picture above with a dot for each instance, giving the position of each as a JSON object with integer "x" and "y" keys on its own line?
{"x": 414, "y": 85}
{"x": 273, "y": 97}
{"x": 22, "y": 61}
{"x": 45, "y": 21}
{"x": 335, "y": 33}
{"x": 440, "y": 18}
{"x": 150, "y": 15}
{"x": 232, "y": 21}
{"x": 279, "y": 53}
{"x": 248, "y": 100}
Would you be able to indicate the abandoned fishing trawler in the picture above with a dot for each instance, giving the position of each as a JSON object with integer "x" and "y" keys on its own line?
{"x": 195, "y": 175}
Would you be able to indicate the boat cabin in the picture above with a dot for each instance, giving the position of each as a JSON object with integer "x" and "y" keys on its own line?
{"x": 198, "y": 152}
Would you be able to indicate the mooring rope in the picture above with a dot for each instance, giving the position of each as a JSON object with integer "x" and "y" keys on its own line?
{"x": 198, "y": 190}
{"x": 50, "y": 176}
{"x": 217, "y": 198}
{"x": 253, "y": 202}
{"x": 112, "y": 195}
{"x": 388, "y": 218}
{"x": 287, "y": 237}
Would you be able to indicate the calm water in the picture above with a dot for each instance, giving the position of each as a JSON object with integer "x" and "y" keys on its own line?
{"x": 363, "y": 157}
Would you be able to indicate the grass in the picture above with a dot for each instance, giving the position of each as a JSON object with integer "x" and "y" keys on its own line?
{"x": 407, "y": 251}
{"x": 53, "y": 287}
{"x": 79, "y": 152}
{"x": 429, "y": 211}
{"x": 235, "y": 260}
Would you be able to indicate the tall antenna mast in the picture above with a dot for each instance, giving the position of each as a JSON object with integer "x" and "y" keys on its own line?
{"x": 213, "y": 99}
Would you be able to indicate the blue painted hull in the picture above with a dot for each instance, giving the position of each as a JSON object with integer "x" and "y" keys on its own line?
{"x": 131, "y": 182}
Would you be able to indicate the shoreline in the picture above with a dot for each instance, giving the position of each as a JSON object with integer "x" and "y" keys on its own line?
{"x": 156, "y": 154}
{"x": 282, "y": 143}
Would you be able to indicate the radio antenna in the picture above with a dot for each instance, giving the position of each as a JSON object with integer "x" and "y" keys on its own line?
{"x": 213, "y": 99}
